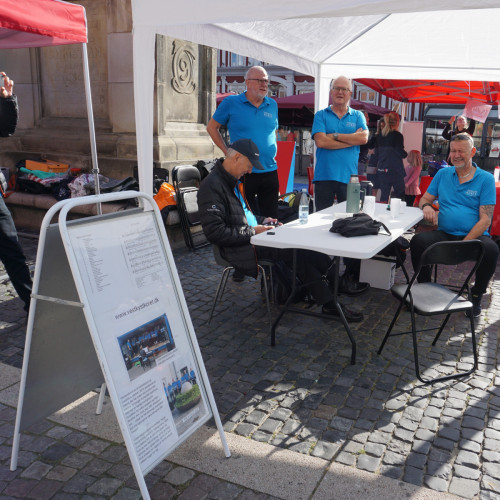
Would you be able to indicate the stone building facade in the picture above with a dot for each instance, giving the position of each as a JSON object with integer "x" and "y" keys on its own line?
{"x": 53, "y": 117}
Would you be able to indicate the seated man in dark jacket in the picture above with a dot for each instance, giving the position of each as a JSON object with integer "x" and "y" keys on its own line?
{"x": 229, "y": 223}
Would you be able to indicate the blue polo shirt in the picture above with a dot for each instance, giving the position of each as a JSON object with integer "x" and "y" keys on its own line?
{"x": 245, "y": 121}
{"x": 337, "y": 164}
{"x": 459, "y": 203}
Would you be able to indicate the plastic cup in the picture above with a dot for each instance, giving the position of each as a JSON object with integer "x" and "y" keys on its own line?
{"x": 395, "y": 207}
{"x": 402, "y": 207}
{"x": 369, "y": 205}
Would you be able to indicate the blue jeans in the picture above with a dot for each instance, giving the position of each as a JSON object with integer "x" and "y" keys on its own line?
{"x": 13, "y": 257}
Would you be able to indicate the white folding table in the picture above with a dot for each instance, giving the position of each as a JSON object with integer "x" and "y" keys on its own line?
{"x": 315, "y": 235}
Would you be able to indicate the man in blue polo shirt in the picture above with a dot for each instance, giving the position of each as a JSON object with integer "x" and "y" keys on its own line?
{"x": 467, "y": 197}
{"x": 338, "y": 132}
{"x": 253, "y": 115}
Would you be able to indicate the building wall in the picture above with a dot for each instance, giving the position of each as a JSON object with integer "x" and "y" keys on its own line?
{"x": 53, "y": 117}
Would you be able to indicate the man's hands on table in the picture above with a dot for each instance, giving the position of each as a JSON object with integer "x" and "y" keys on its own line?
{"x": 267, "y": 224}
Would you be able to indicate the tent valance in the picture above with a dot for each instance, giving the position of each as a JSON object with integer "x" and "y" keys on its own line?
{"x": 435, "y": 91}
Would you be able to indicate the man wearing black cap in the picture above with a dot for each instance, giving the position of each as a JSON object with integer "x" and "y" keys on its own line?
{"x": 229, "y": 223}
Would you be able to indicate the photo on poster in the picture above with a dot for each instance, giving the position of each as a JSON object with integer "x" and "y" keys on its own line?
{"x": 183, "y": 394}
{"x": 142, "y": 346}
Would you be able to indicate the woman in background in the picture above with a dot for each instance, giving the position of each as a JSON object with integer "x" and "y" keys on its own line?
{"x": 390, "y": 148}
{"x": 412, "y": 177}
{"x": 371, "y": 167}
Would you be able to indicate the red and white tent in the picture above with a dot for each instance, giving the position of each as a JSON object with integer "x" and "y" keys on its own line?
{"x": 41, "y": 23}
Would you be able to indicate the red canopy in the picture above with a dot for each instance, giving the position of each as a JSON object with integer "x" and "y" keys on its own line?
{"x": 435, "y": 91}
{"x": 40, "y": 23}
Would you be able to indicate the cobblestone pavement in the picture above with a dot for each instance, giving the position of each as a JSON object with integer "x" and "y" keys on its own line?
{"x": 303, "y": 395}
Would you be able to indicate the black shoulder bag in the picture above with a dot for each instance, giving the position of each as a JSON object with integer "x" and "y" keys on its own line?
{"x": 358, "y": 225}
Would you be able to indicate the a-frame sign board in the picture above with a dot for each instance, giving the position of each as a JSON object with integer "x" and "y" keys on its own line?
{"x": 107, "y": 305}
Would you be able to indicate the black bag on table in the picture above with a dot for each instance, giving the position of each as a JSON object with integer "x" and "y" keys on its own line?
{"x": 358, "y": 225}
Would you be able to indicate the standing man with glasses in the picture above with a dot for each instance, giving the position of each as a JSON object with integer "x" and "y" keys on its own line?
{"x": 338, "y": 132}
{"x": 253, "y": 115}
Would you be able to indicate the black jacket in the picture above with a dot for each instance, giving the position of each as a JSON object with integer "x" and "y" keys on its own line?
{"x": 448, "y": 133}
{"x": 223, "y": 220}
{"x": 390, "y": 151}
{"x": 8, "y": 115}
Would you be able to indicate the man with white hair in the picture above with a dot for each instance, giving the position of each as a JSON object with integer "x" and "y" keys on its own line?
{"x": 253, "y": 115}
{"x": 338, "y": 132}
{"x": 467, "y": 198}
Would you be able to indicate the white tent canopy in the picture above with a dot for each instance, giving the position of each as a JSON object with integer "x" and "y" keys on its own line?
{"x": 406, "y": 39}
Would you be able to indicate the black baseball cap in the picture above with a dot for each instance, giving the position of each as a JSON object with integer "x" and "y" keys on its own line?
{"x": 249, "y": 149}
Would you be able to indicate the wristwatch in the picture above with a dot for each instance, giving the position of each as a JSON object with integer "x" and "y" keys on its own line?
{"x": 426, "y": 205}
{"x": 336, "y": 136}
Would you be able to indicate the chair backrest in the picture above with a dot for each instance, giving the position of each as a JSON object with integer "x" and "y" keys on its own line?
{"x": 185, "y": 176}
{"x": 186, "y": 181}
{"x": 218, "y": 257}
{"x": 452, "y": 253}
{"x": 425, "y": 182}
{"x": 310, "y": 177}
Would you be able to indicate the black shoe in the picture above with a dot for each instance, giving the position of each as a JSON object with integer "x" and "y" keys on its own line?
{"x": 349, "y": 286}
{"x": 476, "y": 306}
{"x": 238, "y": 276}
{"x": 350, "y": 315}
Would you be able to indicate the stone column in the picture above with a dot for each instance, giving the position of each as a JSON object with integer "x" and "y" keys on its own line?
{"x": 186, "y": 76}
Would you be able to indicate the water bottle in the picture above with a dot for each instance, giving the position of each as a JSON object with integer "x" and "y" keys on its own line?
{"x": 353, "y": 195}
{"x": 304, "y": 207}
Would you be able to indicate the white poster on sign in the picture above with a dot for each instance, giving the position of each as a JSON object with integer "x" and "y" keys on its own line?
{"x": 141, "y": 331}
{"x": 476, "y": 110}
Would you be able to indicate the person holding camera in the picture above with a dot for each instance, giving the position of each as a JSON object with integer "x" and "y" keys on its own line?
{"x": 11, "y": 253}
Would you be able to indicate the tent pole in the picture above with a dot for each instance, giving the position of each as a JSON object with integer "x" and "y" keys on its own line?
{"x": 90, "y": 114}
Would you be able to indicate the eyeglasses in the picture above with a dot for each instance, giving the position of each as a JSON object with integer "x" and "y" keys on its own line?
{"x": 341, "y": 89}
{"x": 258, "y": 80}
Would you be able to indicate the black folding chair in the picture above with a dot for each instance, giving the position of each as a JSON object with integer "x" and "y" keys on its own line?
{"x": 432, "y": 298}
{"x": 225, "y": 274}
{"x": 186, "y": 181}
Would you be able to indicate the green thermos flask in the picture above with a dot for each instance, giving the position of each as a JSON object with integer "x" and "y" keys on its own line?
{"x": 353, "y": 195}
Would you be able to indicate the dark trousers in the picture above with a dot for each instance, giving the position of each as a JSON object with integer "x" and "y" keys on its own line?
{"x": 410, "y": 199}
{"x": 386, "y": 181}
{"x": 324, "y": 197}
{"x": 484, "y": 272}
{"x": 311, "y": 267}
{"x": 325, "y": 192}
{"x": 262, "y": 192}
{"x": 12, "y": 255}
